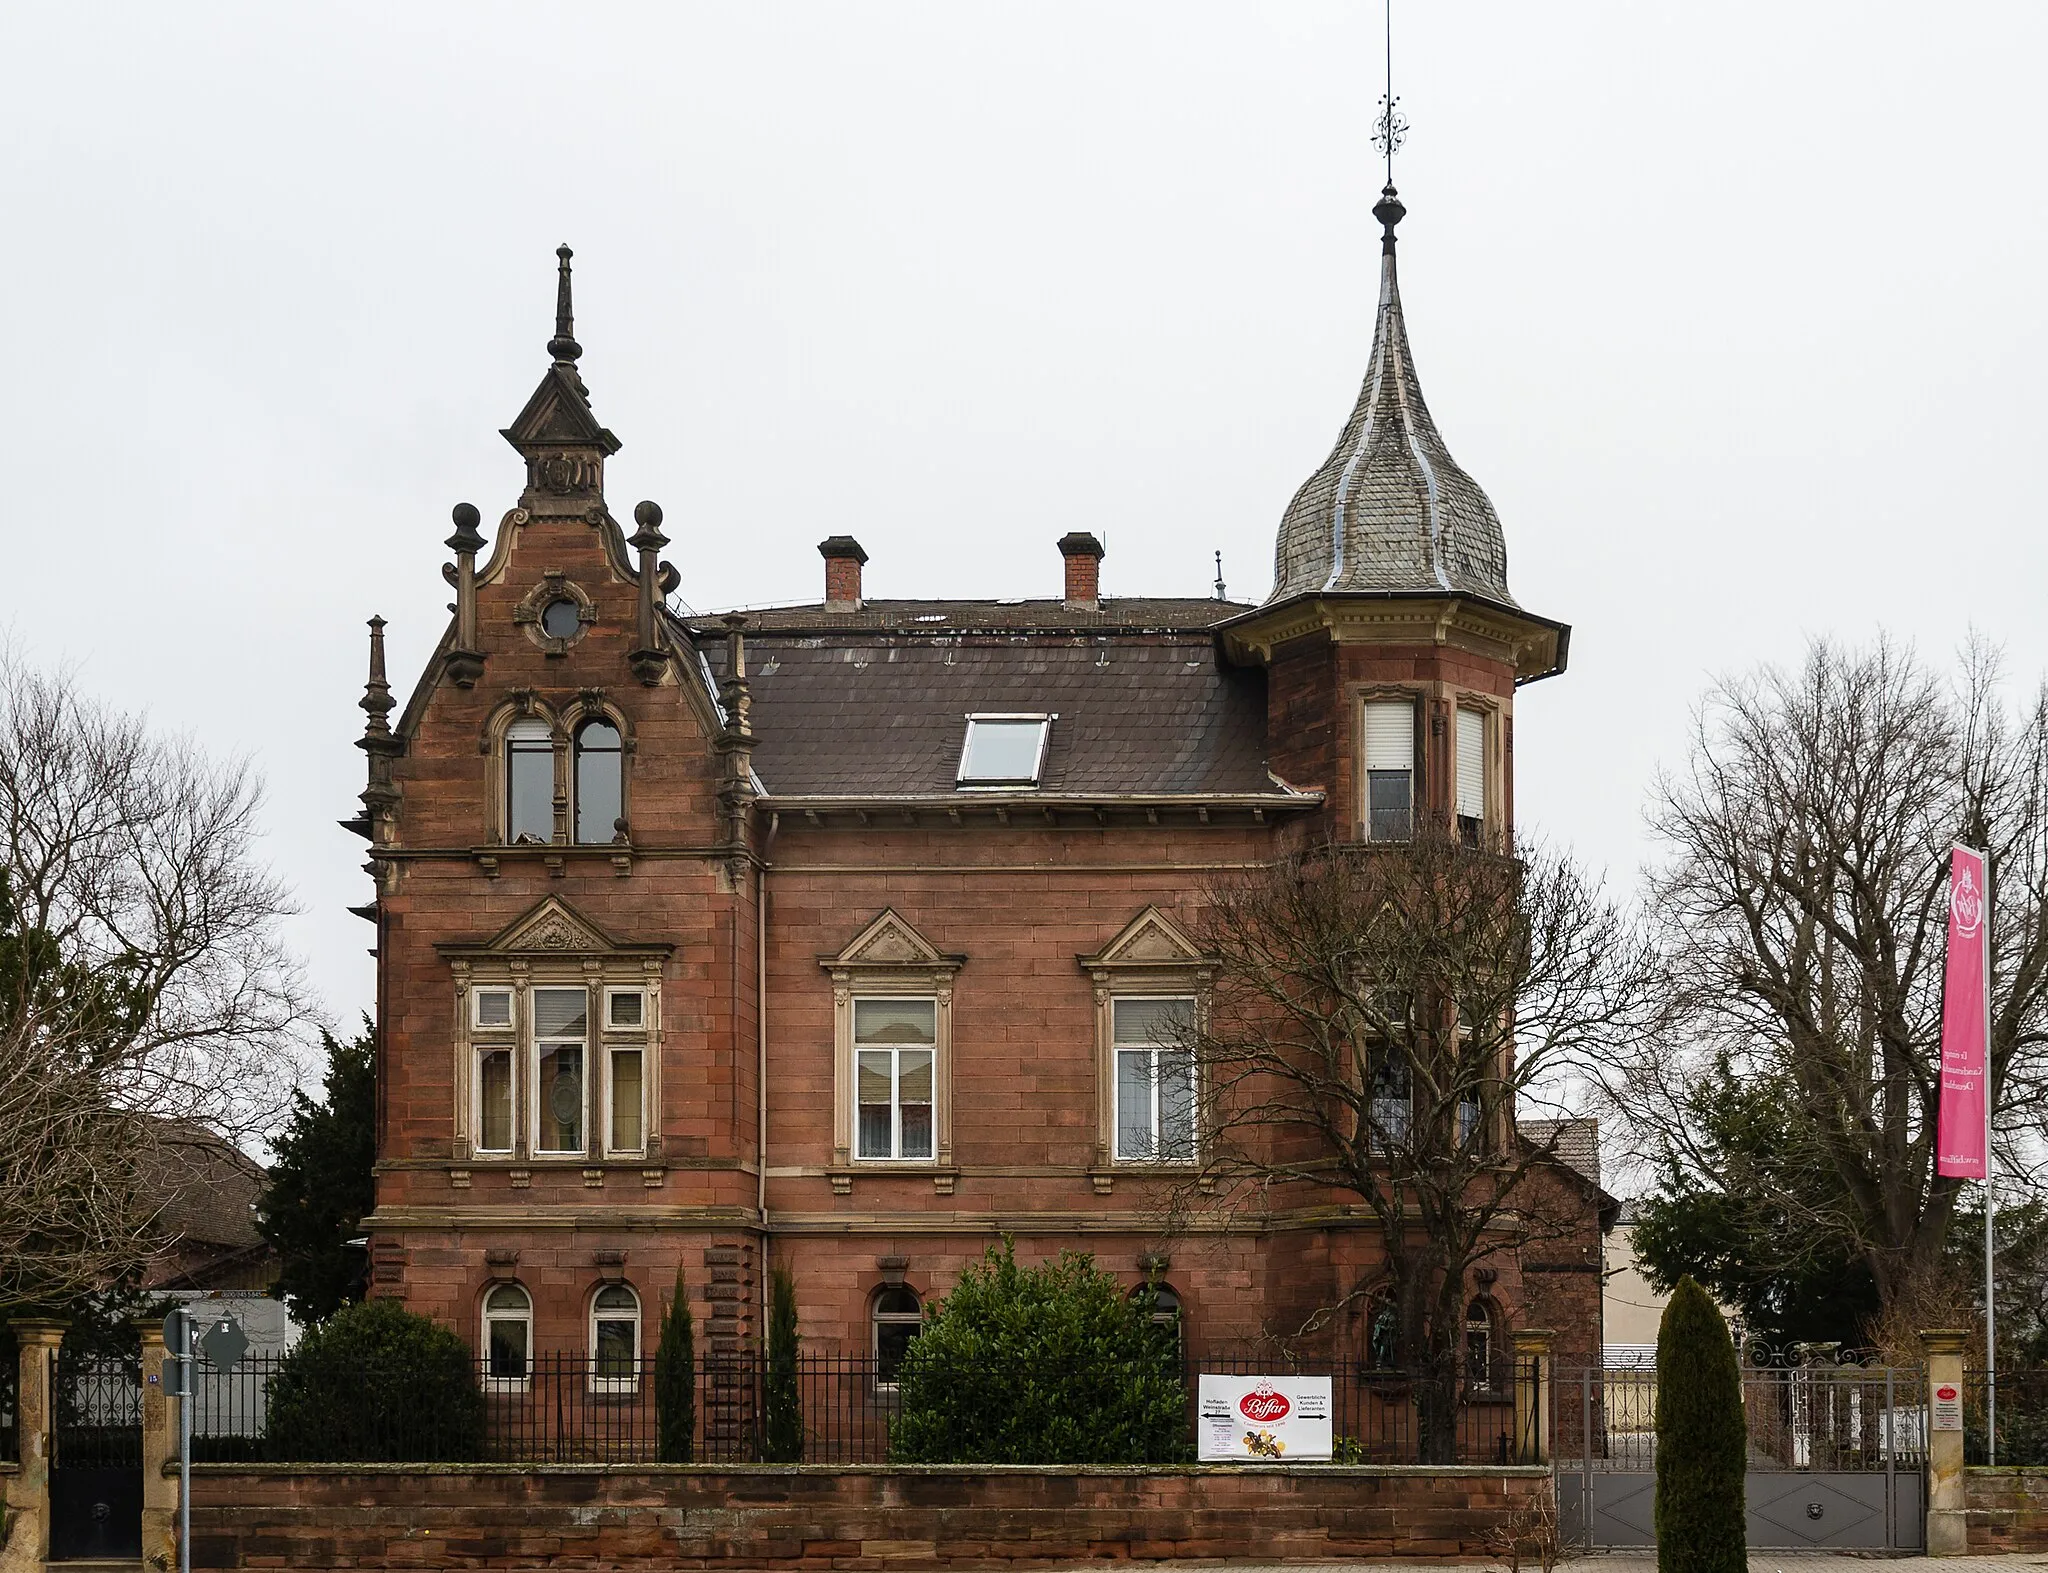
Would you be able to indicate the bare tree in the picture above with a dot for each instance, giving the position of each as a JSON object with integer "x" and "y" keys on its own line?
{"x": 142, "y": 980}
{"x": 1799, "y": 933}
{"x": 1381, "y": 1019}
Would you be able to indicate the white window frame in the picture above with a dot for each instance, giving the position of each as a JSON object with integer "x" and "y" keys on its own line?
{"x": 966, "y": 783}
{"x": 612, "y": 1051}
{"x": 476, "y": 1008}
{"x": 528, "y": 723}
{"x": 611, "y": 992}
{"x": 615, "y": 1384}
{"x": 507, "y": 1384}
{"x": 1118, "y": 1049}
{"x": 538, "y": 1053}
{"x": 895, "y": 1051}
{"x": 878, "y": 1319}
{"x": 1484, "y": 1326}
{"x": 1412, "y": 703}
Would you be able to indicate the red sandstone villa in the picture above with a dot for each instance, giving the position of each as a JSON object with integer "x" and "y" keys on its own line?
{"x": 839, "y": 935}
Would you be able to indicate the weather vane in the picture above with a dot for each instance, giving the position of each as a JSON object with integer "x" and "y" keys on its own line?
{"x": 1391, "y": 129}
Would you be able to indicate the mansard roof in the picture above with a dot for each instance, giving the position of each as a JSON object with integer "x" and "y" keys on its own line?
{"x": 846, "y": 710}
{"x": 1390, "y": 511}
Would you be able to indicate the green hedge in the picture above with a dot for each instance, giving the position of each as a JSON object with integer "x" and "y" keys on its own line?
{"x": 376, "y": 1382}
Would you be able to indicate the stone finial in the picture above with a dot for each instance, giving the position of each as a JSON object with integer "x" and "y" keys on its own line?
{"x": 648, "y": 660}
{"x": 563, "y": 345}
{"x": 1389, "y": 211}
{"x": 464, "y": 662}
{"x": 377, "y": 702}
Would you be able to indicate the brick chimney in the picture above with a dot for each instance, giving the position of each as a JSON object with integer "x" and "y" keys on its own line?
{"x": 843, "y": 558}
{"x": 1084, "y": 571}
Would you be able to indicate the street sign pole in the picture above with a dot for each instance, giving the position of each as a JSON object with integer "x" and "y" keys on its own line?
{"x": 178, "y": 1362}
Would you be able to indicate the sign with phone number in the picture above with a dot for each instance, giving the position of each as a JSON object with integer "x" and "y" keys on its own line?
{"x": 1264, "y": 1419}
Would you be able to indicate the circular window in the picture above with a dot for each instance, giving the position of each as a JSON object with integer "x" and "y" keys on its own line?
{"x": 560, "y": 618}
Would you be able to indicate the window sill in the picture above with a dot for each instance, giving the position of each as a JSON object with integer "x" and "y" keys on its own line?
{"x": 1103, "y": 1176}
{"x": 555, "y": 855}
{"x": 652, "y": 1171}
{"x": 944, "y": 1176}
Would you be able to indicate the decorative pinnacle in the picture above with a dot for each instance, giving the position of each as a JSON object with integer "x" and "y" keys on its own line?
{"x": 377, "y": 701}
{"x": 648, "y": 538}
{"x": 466, "y": 537}
{"x": 1389, "y": 211}
{"x": 563, "y": 345}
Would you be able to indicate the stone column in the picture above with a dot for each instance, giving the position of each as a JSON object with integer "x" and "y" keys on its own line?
{"x": 28, "y": 1490}
{"x": 1948, "y": 1526}
{"x": 159, "y": 1449}
{"x": 1532, "y": 1394}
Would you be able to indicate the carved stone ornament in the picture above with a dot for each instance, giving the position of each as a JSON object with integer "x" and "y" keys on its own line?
{"x": 562, "y": 473}
{"x": 554, "y": 586}
{"x": 554, "y": 928}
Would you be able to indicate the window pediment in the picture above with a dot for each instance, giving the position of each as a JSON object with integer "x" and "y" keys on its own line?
{"x": 1151, "y": 939}
{"x": 890, "y": 945}
{"x": 552, "y": 928}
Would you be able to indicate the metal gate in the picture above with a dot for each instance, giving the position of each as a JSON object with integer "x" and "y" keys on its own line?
{"x": 96, "y": 1465}
{"x": 1837, "y": 1455}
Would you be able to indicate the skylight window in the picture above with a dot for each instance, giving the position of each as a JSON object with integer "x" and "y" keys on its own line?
{"x": 1004, "y": 750}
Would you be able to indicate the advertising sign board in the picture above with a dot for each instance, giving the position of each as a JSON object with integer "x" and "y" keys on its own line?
{"x": 1264, "y": 1419}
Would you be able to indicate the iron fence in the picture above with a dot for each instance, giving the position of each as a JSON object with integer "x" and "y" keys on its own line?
{"x": 2022, "y": 1417}
{"x": 10, "y": 1428}
{"x": 567, "y": 1408}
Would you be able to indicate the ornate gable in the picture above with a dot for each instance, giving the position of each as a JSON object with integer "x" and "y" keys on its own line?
{"x": 889, "y": 944}
{"x": 1151, "y": 939}
{"x": 552, "y": 928}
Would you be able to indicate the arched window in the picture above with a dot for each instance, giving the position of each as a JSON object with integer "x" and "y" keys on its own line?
{"x": 614, "y": 1340}
{"x": 529, "y": 781}
{"x": 897, "y": 1318}
{"x": 508, "y": 1333}
{"x": 1479, "y": 1347}
{"x": 1166, "y": 1311}
{"x": 600, "y": 781}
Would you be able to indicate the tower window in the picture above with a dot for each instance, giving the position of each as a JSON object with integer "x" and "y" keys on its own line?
{"x": 1389, "y": 769}
{"x": 600, "y": 781}
{"x": 529, "y": 781}
{"x": 1471, "y": 776}
{"x": 1004, "y": 750}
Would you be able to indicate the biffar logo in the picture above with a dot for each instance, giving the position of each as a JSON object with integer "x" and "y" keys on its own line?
{"x": 1264, "y": 1405}
{"x": 1946, "y": 1394}
{"x": 1966, "y": 906}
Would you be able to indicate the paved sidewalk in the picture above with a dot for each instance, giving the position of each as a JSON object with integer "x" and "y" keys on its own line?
{"x": 1646, "y": 1562}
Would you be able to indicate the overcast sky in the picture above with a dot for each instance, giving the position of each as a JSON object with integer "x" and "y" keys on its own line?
{"x": 1736, "y": 311}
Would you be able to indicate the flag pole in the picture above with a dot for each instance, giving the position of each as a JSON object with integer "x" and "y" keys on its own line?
{"x": 1990, "y": 1291}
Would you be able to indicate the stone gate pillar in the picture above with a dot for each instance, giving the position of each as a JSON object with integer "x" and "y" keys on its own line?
{"x": 35, "y": 1409}
{"x": 1948, "y": 1525}
{"x": 1532, "y": 1394}
{"x": 159, "y": 1448}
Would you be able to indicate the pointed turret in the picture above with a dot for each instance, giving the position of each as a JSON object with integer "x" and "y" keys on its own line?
{"x": 1390, "y": 510}
{"x": 560, "y": 439}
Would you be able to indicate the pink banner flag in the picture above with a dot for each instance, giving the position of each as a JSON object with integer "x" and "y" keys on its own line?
{"x": 1965, "y": 1020}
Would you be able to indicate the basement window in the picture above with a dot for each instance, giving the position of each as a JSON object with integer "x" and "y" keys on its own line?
{"x": 1004, "y": 750}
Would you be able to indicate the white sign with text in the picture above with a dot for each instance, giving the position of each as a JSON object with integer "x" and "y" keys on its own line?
{"x": 1264, "y": 1419}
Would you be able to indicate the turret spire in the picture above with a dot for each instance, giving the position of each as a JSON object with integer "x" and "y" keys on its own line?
{"x": 563, "y": 345}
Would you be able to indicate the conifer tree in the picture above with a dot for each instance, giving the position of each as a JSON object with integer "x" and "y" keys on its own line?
{"x": 675, "y": 1379}
{"x": 1701, "y": 1440}
{"x": 784, "y": 1442}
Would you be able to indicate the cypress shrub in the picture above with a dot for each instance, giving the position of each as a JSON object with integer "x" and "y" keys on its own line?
{"x": 1043, "y": 1365}
{"x": 784, "y": 1441}
{"x": 1701, "y": 1440}
{"x": 376, "y": 1382}
{"x": 675, "y": 1379}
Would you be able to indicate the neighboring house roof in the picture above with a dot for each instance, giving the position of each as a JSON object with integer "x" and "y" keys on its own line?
{"x": 1124, "y": 614}
{"x": 843, "y": 708}
{"x": 1576, "y": 1143}
{"x": 208, "y": 1190}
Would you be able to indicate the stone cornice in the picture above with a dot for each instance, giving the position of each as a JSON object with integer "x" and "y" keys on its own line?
{"x": 1535, "y": 646}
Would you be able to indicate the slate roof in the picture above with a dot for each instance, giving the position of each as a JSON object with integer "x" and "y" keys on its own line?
{"x": 875, "y": 710}
{"x": 1115, "y": 614}
{"x": 1390, "y": 510}
{"x": 208, "y": 1187}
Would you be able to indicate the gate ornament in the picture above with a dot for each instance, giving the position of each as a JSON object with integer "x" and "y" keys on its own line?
{"x": 224, "y": 1343}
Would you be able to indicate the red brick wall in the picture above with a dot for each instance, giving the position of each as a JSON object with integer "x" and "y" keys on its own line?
{"x": 2008, "y": 1509}
{"x": 853, "y": 1518}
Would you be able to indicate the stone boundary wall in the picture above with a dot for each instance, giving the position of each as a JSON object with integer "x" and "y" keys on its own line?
{"x": 2008, "y": 1508}
{"x": 417, "y": 1516}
